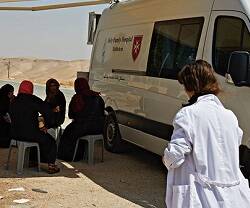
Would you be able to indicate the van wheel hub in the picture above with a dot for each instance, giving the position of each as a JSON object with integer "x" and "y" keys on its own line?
{"x": 111, "y": 132}
{"x": 112, "y": 136}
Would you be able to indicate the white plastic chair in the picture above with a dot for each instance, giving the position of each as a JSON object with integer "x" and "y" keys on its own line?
{"x": 21, "y": 147}
{"x": 91, "y": 139}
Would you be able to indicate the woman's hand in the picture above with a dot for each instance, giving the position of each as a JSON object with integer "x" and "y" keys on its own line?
{"x": 56, "y": 109}
{"x": 44, "y": 129}
{"x": 163, "y": 159}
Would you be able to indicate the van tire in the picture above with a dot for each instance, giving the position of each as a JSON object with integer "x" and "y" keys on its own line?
{"x": 112, "y": 136}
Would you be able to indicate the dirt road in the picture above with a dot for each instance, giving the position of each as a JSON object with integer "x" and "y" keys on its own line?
{"x": 132, "y": 179}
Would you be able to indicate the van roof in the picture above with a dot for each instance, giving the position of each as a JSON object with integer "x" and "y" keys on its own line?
{"x": 145, "y": 11}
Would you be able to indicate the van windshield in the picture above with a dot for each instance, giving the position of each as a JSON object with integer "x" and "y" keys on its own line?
{"x": 231, "y": 34}
{"x": 174, "y": 44}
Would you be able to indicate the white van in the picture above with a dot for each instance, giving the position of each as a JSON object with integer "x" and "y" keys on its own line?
{"x": 141, "y": 45}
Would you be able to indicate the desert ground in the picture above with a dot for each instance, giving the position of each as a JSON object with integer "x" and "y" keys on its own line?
{"x": 135, "y": 178}
{"x": 40, "y": 70}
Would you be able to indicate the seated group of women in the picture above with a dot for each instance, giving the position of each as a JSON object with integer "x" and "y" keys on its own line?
{"x": 19, "y": 118}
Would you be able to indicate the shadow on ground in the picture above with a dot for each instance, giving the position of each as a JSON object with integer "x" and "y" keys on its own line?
{"x": 28, "y": 172}
{"x": 136, "y": 175}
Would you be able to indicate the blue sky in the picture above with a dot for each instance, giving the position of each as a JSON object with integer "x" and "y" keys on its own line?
{"x": 56, "y": 34}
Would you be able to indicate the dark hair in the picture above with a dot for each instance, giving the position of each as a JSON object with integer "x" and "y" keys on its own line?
{"x": 199, "y": 78}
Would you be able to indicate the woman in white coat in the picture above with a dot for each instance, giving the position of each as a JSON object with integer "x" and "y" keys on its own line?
{"x": 202, "y": 157}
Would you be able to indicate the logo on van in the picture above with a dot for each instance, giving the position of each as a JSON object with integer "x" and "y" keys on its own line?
{"x": 136, "y": 46}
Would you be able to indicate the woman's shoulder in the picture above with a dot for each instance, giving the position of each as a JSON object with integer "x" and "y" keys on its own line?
{"x": 183, "y": 114}
{"x": 60, "y": 94}
{"x": 99, "y": 98}
{"x": 229, "y": 114}
{"x": 186, "y": 114}
{"x": 74, "y": 96}
{"x": 186, "y": 110}
{"x": 36, "y": 98}
{"x": 27, "y": 97}
{"x": 59, "y": 97}
{"x": 26, "y": 100}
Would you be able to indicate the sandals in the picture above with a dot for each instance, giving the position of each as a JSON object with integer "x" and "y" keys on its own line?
{"x": 53, "y": 168}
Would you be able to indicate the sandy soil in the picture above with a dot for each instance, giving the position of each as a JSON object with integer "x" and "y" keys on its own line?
{"x": 39, "y": 71}
{"x": 132, "y": 179}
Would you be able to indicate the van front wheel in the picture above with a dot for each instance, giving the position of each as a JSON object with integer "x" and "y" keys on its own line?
{"x": 112, "y": 136}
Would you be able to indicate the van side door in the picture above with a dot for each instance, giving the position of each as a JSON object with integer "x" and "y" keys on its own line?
{"x": 229, "y": 31}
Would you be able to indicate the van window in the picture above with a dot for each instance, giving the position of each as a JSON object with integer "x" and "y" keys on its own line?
{"x": 231, "y": 34}
{"x": 174, "y": 44}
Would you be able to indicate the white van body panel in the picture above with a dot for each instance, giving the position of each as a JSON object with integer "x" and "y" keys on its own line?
{"x": 246, "y": 7}
{"x": 144, "y": 11}
{"x": 233, "y": 5}
{"x": 120, "y": 75}
{"x": 143, "y": 140}
{"x": 235, "y": 98}
{"x": 117, "y": 46}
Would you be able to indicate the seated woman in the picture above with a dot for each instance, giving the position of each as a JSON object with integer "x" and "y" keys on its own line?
{"x": 56, "y": 100}
{"x": 86, "y": 108}
{"x": 24, "y": 112}
{"x": 6, "y": 96}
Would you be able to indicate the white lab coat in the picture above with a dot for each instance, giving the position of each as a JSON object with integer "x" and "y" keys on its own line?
{"x": 203, "y": 158}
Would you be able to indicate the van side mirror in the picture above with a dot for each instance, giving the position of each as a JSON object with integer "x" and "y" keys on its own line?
{"x": 93, "y": 23}
{"x": 239, "y": 68}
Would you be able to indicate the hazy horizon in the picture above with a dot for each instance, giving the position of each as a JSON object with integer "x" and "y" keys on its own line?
{"x": 38, "y": 58}
{"x": 56, "y": 34}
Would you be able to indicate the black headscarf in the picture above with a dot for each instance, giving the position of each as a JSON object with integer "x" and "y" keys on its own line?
{"x": 4, "y": 98}
{"x": 5, "y": 90}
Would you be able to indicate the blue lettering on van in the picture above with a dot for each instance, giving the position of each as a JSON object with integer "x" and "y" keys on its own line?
{"x": 118, "y": 40}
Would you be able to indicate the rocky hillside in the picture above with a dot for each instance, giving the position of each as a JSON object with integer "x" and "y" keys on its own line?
{"x": 40, "y": 70}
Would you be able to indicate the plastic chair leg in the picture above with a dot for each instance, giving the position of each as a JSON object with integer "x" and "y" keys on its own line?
{"x": 26, "y": 157}
{"x": 38, "y": 158}
{"x": 76, "y": 147}
{"x": 85, "y": 153}
{"x": 20, "y": 158}
{"x": 8, "y": 161}
{"x": 102, "y": 150}
{"x": 58, "y": 135}
{"x": 91, "y": 144}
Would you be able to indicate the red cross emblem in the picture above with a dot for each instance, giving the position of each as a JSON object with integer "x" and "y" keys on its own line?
{"x": 136, "y": 46}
